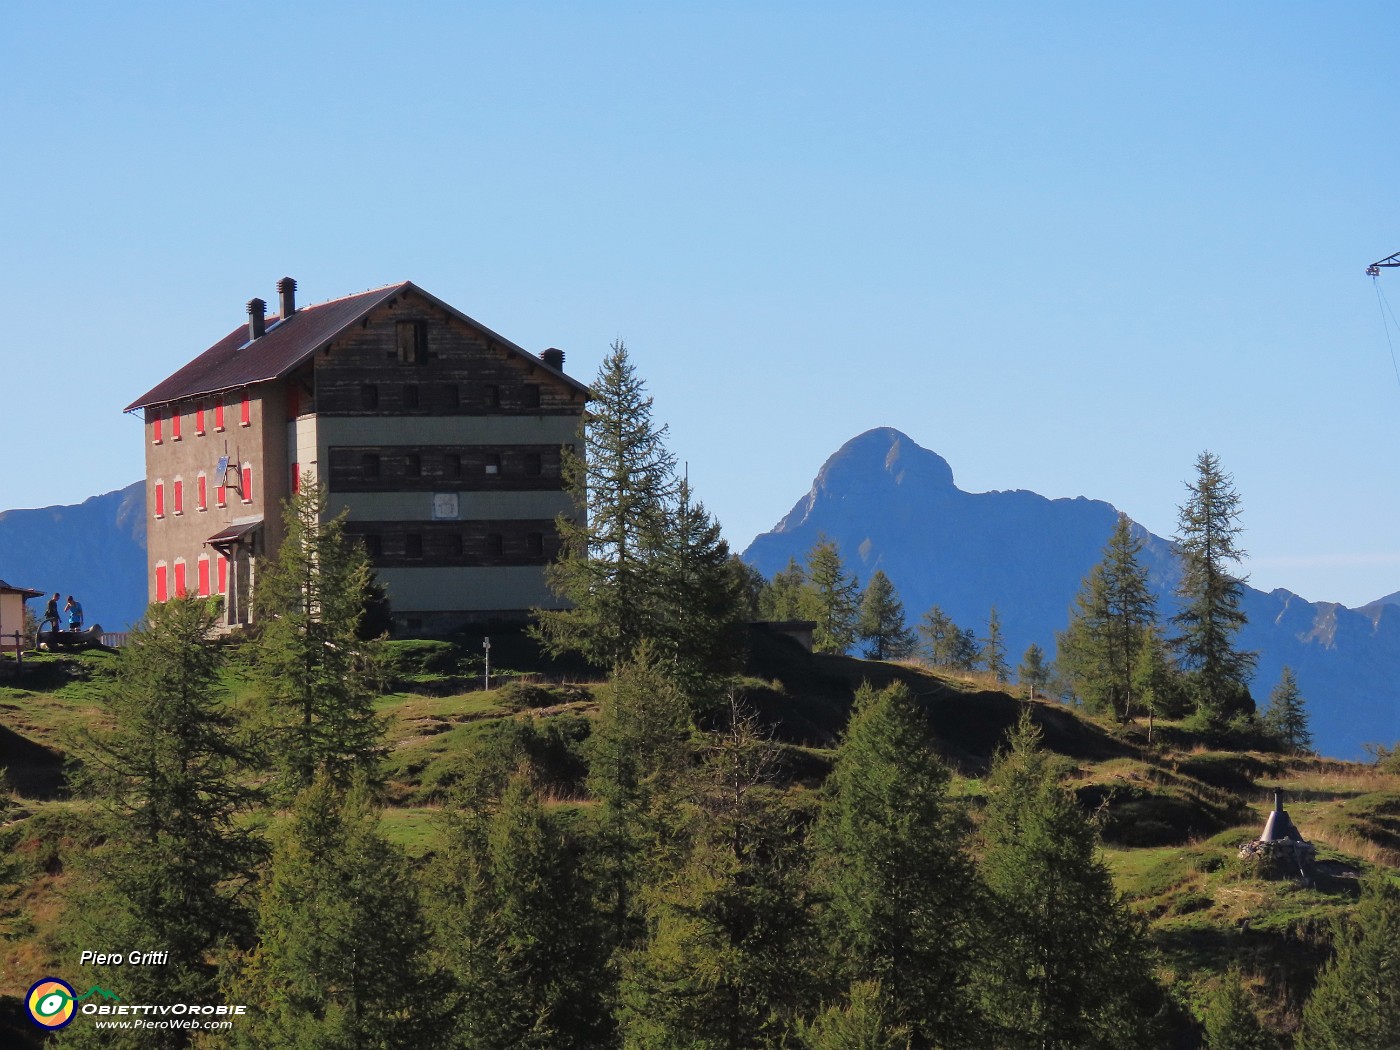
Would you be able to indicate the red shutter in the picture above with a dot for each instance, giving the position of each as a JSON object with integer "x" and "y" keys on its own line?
{"x": 160, "y": 499}
{"x": 219, "y": 413}
{"x": 199, "y": 417}
{"x": 179, "y": 579}
{"x": 247, "y": 484}
{"x": 203, "y": 492}
{"x": 220, "y": 495}
{"x": 204, "y": 576}
{"x": 175, "y": 423}
{"x": 162, "y": 589}
{"x": 244, "y": 412}
{"x": 179, "y": 496}
{"x": 157, "y": 427}
{"x": 223, "y": 574}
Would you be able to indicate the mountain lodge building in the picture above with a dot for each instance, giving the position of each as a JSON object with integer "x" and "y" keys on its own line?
{"x": 440, "y": 437}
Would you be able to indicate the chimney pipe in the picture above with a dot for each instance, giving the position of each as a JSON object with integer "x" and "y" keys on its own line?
{"x": 554, "y": 358}
{"x": 256, "y": 310}
{"x": 287, "y": 297}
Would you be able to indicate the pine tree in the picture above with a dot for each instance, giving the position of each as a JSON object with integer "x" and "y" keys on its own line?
{"x": 939, "y": 633}
{"x": 1034, "y": 672}
{"x": 518, "y": 929}
{"x": 881, "y": 621}
{"x": 863, "y": 1022}
{"x": 1286, "y": 717}
{"x": 831, "y": 598}
{"x": 902, "y": 907}
{"x": 724, "y": 965}
{"x": 1355, "y": 1004}
{"x": 994, "y": 649}
{"x": 782, "y": 598}
{"x": 1230, "y": 1021}
{"x": 316, "y": 676}
{"x": 1211, "y": 615}
{"x": 343, "y": 949}
{"x": 1157, "y": 683}
{"x": 623, "y": 483}
{"x": 1069, "y": 969}
{"x": 169, "y": 778}
{"x": 1099, "y": 652}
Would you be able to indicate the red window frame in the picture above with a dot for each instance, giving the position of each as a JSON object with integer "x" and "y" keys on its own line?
{"x": 247, "y": 484}
{"x": 219, "y": 413}
{"x": 221, "y": 495}
{"x": 202, "y": 492}
{"x": 204, "y": 576}
{"x": 223, "y": 574}
{"x": 177, "y": 496}
{"x": 179, "y": 577}
{"x": 160, "y": 499}
{"x": 199, "y": 418}
{"x": 175, "y": 423}
{"x": 162, "y": 583}
{"x": 245, "y": 412}
{"x": 157, "y": 427}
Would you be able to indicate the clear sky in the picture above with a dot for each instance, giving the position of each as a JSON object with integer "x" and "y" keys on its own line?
{"x": 1065, "y": 246}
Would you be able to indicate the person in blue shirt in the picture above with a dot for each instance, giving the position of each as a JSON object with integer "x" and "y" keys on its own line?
{"x": 74, "y": 610}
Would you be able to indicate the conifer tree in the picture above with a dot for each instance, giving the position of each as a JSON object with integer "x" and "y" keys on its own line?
{"x": 343, "y": 949}
{"x": 1355, "y": 1004}
{"x": 1158, "y": 685}
{"x": 623, "y": 482}
{"x": 1230, "y": 1021}
{"x": 1069, "y": 969}
{"x": 1034, "y": 672}
{"x": 1286, "y": 717}
{"x": 831, "y": 598}
{"x": 863, "y": 1022}
{"x": 168, "y": 778}
{"x": 782, "y": 599}
{"x": 994, "y": 648}
{"x": 1100, "y": 650}
{"x": 902, "y": 907}
{"x": 881, "y": 621}
{"x": 316, "y": 676}
{"x": 966, "y": 650}
{"x": 1211, "y": 615}
{"x": 939, "y": 633}
{"x": 518, "y": 929}
{"x": 724, "y": 965}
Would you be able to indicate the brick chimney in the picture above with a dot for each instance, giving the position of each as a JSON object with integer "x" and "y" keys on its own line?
{"x": 554, "y": 358}
{"x": 256, "y": 311}
{"x": 287, "y": 297}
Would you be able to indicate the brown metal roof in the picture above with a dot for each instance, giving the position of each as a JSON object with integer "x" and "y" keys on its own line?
{"x": 28, "y": 592}
{"x": 231, "y": 534}
{"x": 234, "y": 362}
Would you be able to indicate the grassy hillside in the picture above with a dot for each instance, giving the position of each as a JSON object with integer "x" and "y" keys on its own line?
{"x": 1171, "y": 814}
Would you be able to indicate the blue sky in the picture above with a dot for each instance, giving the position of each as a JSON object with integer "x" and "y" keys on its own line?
{"x": 1065, "y": 246}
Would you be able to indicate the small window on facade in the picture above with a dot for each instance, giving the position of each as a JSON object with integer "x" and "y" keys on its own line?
{"x": 374, "y": 545}
{"x": 160, "y": 499}
{"x": 534, "y": 544}
{"x": 223, "y": 574}
{"x": 162, "y": 582}
{"x": 199, "y": 418}
{"x": 219, "y": 413}
{"x": 413, "y": 465}
{"x": 157, "y": 427}
{"x": 175, "y": 423}
{"x": 531, "y": 395}
{"x": 495, "y": 544}
{"x": 369, "y": 465}
{"x": 221, "y": 495}
{"x": 247, "y": 483}
{"x": 179, "y": 577}
{"x": 245, "y": 412}
{"x": 493, "y": 463}
{"x": 413, "y": 545}
{"x": 177, "y": 494}
{"x": 369, "y": 397}
{"x": 413, "y": 342}
{"x": 201, "y": 492}
{"x": 454, "y": 544}
{"x": 452, "y": 464}
{"x": 204, "y": 576}
{"x": 410, "y": 395}
{"x": 492, "y": 394}
{"x": 451, "y": 397}
{"x": 532, "y": 464}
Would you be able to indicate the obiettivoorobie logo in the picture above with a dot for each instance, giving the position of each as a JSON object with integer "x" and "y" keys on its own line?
{"x": 52, "y": 1003}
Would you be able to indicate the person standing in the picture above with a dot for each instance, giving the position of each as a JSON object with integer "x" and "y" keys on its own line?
{"x": 74, "y": 609}
{"x": 51, "y": 613}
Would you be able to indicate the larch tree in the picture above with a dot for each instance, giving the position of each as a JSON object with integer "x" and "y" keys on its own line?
{"x": 994, "y": 649}
{"x": 1034, "y": 672}
{"x": 938, "y": 632}
{"x": 1286, "y": 717}
{"x": 831, "y": 599}
{"x": 1230, "y": 1021}
{"x": 880, "y": 623}
{"x": 782, "y": 598}
{"x": 1070, "y": 969}
{"x": 623, "y": 482}
{"x": 1355, "y": 1004}
{"x": 901, "y": 904}
{"x": 1211, "y": 615}
{"x": 1099, "y": 651}
{"x": 316, "y": 677}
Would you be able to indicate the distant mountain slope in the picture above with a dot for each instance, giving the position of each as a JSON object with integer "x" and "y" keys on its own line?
{"x": 95, "y": 551}
{"x": 893, "y": 505}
